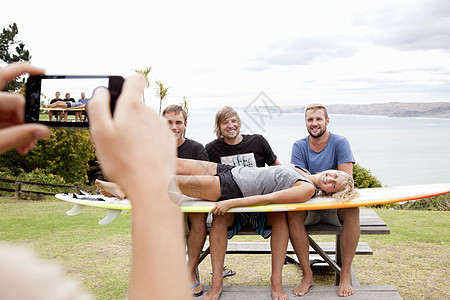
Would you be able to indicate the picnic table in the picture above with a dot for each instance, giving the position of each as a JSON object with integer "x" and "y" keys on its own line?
{"x": 330, "y": 252}
{"x": 63, "y": 110}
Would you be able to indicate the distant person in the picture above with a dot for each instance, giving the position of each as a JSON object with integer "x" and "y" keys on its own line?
{"x": 83, "y": 98}
{"x": 319, "y": 151}
{"x": 145, "y": 175}
{"x": 65, "y": 104}
{"x": 70, "y": 100}
{"x": 176, "y": 117}
{"x": 58, "y": 113}
{"x": 79, "y": 114}
{"x": 235, "y": 149}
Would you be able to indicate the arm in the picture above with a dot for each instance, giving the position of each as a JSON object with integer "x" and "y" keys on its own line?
{"x": 122, "y": 145}
{"x": 297, "y": 154}
{"x": 347, "y": 168}
{"x": 276, "y": 163}
{"x": 300, "y": 192}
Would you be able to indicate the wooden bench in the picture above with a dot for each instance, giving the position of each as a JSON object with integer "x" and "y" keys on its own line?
{"x": 370, "y": 223}
{"x": 362, "y": 292}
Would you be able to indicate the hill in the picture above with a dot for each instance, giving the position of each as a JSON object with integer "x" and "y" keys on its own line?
{"x": 391, "y": 109}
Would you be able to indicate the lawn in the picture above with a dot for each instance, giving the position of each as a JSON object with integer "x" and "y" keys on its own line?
{"x": 414, "y": 257}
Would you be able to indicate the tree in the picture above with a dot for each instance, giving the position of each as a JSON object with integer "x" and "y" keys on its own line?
{"x": 161, "y": 92}
{"x": 67, "y": 153}
{"x": 184, "y": 104}
{"x": 145, "y": 72}
{"x": 11, "y": 51}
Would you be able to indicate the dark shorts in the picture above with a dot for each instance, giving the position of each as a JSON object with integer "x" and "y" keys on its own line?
{"x": 228, "y": 187}
{"x": 230, "y": 190}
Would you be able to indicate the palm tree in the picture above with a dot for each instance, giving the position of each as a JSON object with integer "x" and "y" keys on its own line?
{"x": 145, "y": 72}
{"x": 161, "y": 92}
{"x": 184, "y": 104}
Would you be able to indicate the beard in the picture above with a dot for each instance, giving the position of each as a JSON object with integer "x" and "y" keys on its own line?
{"x": 317, "y": 135}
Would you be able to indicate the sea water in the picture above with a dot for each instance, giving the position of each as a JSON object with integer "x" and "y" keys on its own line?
{"x": 398, "y": 151}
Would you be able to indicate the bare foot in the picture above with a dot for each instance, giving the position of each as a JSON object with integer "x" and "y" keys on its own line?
{"x": 304, "y": 286}
{"x": 345, "y": 288}
{"x": 111, "y": 188}
{"x": 279, "y": 294}
{"x": 277, "y": 290}
{"x": 213, "y": 294}
{"x": 197, "y": 289}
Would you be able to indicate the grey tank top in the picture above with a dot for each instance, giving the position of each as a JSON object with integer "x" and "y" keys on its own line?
{"x": 260, "y": 181}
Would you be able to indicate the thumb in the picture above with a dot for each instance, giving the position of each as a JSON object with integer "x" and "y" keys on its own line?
{"x": 17, "y": 136}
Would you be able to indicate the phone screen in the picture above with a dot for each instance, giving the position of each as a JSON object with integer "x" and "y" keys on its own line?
{"x": 61, "y": 101}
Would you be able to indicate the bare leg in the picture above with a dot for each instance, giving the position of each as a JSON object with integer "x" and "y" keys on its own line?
{"x": 197, "y": 186}
{"x": 278, "y": 245}
{"x": 50, "y": 115}
{"x": 110, "y": 187}
{"x": 196, "y": 240}
{"x": 66, "y": 113}
{"x": 200, "y": 186}
{"x": 300, "y": 242}
{"x": 195, "y": 167}
{"x": 349, "y": 243}
{"x": 218, "y": 243}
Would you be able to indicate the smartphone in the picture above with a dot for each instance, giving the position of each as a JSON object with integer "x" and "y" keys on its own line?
{"x": 60, "y": 100}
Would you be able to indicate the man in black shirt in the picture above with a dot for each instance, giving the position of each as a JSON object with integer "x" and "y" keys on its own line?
{"x": 50, "y": 112}
{"x": 177, "y": 118}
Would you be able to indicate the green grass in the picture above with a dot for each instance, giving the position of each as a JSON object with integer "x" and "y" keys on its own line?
{"x": 414, "y": 257}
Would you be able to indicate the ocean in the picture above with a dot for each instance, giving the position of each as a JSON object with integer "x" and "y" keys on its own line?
{"x": 398, "y": 151}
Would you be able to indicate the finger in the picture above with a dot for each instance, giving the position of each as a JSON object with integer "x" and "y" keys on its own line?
{"x": 18, "y": 136}
{"x": 25, "y": 148}
{"x": 12, "y": 71}
{"x": 132, "y": 91}
{"x": 99, "y": 113}
{"x": 12, "y": 108}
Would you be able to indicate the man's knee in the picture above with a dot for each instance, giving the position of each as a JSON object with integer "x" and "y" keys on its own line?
{"x": 277, "y": 219}
{"x": 296, "y": 218}
{"x": 349, "y": 214}
{"x": 225, "y": 220}
{"x": 198, "y": 222}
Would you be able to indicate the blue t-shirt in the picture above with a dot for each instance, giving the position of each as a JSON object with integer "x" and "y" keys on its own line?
{"x": 336, "y": 152}
{"x": 83, "y": 101}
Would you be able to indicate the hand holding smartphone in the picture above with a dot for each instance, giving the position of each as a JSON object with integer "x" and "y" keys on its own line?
{"x": 61, "y": 100}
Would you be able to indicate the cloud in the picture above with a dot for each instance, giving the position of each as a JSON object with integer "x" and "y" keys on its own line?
{"x": 424, "y": 26}
{"x": 305, "y": 50}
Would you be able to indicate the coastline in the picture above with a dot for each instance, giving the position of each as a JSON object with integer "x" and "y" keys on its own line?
{"x": 432, "y": 110}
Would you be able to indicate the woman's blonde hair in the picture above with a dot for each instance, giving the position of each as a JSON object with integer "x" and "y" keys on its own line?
{"x": 348, "y": 193}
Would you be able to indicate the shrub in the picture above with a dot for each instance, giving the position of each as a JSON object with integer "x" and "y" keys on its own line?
{"x": 66, "y": 153}
{"x": 434, "y": 203}
{"x": 363, "y": 178}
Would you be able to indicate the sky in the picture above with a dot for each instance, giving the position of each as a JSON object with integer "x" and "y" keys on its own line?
{"x": 228, "y": 52}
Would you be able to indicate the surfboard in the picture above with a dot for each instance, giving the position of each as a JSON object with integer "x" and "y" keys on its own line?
{"x": 367, "y": 197}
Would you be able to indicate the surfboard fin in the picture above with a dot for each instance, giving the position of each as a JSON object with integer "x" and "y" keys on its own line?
{"x": 111, "y": 215}
{"x": 76, "y": 209}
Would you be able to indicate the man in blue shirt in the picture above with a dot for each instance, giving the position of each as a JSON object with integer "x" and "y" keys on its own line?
{"x": 79, "y": 114}
{"x": 320, "y": 151}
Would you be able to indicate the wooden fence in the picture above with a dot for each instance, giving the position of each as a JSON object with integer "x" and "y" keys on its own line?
{"x": 19, "y": 185}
